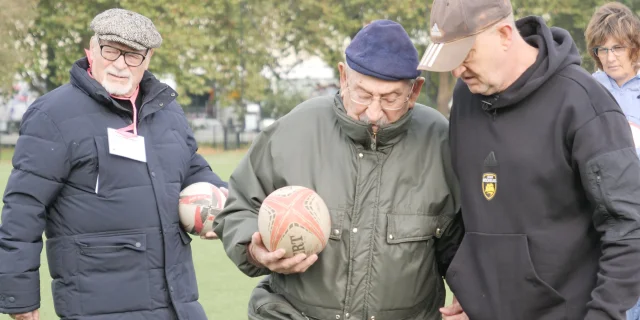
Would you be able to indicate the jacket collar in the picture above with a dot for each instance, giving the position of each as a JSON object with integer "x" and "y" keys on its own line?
{"x": 155, "y": 94}
{"x": 362, "y": 133}
{"x": 632, "y": 84}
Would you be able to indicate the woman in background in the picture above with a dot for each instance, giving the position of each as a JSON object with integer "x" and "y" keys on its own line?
{"x": 613, "y": 40}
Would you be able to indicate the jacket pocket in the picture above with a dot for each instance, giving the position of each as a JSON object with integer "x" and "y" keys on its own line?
{"x": 186, "y": 239}
{"x": 410, "y": 227}
{"x": 493, "y": 277}
{"x": 407, "y": 263}
{"x": 181, "y": 267}
{"x": 112, "y": 273}
{"x": 84, "y": 168}
{"x": 612, "y": 180}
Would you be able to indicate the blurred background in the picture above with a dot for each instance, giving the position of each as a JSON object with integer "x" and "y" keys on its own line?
{"x": 236, "y": 64}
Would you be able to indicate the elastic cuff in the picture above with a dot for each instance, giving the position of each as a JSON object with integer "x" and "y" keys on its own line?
{"x": 19, "y": 310}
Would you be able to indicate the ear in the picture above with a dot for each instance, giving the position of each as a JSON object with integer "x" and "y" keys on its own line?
{"x": 417, "y": 87}
{"x": 342, "y": 68}
{"x": 89, "y": 52}
{"x": 147, "y": 59}
{"x": 89, "y": 57}
{"x": 505, "y": 31}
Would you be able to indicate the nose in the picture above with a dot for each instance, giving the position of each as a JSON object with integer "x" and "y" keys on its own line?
{"x": 457, "y": 72}
{"x": 374, "y": 111}
{"x": 119, "y": 63}
{"x": 610, "y": 56}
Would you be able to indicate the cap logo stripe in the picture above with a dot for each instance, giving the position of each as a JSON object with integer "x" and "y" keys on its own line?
{"x": 427, "y": 54}
{"x": 435, "y": 55}
{"x": 435, "y": 32}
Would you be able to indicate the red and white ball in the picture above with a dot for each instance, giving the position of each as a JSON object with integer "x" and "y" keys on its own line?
{"x": 294, "y": 218}
{"x": 199, "y": 204}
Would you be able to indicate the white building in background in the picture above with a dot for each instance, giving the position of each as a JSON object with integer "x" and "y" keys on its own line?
{"x": 300, "y": 73}
{"x": 304, "y": 73}
{"x": 252, "y": 118}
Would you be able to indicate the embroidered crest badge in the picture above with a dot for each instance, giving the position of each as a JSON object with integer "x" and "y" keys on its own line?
{"x": 489, "y": 185}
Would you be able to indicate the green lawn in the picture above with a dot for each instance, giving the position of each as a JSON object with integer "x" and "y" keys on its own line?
{"x": 224, "y": 291}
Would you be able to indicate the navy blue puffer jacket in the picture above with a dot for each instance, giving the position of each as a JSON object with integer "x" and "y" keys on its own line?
{"x": 114, "y": 244}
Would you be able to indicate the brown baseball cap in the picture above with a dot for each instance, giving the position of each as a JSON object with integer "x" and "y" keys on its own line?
{"x": 454, "y": 27}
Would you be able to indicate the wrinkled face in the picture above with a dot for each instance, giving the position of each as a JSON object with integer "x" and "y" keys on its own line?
{"x": 118, "y": 77}
{"x": 481, "y": 71}
{"x": 375, "y": 101}
{"x": 617, "y": 64}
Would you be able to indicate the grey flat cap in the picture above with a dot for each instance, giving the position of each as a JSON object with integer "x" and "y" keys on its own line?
{"x": 126, "y": 27}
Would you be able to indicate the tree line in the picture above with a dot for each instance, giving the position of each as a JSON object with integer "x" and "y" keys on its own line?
{"x": 225, "y": 47}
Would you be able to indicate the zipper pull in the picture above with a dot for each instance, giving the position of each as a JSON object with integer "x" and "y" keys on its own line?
{"x": 486, "y": 105}
{"x": 596, "y": 170}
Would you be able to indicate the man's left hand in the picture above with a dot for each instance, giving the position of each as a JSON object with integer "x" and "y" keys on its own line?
{"x": 212, "y": 235}
{"x": 209, "y": 236}
{"x": 454, "y": 311}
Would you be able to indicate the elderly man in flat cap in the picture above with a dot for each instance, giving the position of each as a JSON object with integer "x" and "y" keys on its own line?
{"x": 381, "y": 164}
{"x": 98, "y": 166}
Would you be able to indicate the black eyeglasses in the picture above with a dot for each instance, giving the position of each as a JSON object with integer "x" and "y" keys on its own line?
{"x": 132, "y": 59}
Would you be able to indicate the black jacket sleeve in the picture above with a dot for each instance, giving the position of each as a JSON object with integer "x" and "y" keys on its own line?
{"x": 447, "y": 245}
{"x": 604, "y": 153}
{"x": 448, "y": 242}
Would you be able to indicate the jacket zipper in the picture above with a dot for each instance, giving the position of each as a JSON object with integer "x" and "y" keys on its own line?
{"x": 488, "y": 107}
{"x": 600, "y": 189}
{"x": 373, "y": 141}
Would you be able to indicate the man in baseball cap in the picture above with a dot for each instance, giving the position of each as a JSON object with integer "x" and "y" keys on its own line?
{"x": 99, "y": 165}
{"x": 455, "y": 27}
{"x": 549, "y": 177}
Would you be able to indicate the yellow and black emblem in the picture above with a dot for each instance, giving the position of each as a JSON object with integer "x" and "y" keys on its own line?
{"x": 489, "y": 185}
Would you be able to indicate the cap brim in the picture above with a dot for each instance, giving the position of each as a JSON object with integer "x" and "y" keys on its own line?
{"x": 444, "y": 57}
{"x": 114, "y": 38}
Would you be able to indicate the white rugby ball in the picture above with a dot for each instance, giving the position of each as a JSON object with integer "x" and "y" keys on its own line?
{"x": 296, "y": 219}
{"x": 199, "y": 204}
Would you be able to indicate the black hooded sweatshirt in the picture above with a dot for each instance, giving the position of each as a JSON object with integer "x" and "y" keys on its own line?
{"x": 550, "y": 186}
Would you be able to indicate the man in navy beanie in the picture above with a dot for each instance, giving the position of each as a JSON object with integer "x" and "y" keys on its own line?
{"x": 381, "y": 164}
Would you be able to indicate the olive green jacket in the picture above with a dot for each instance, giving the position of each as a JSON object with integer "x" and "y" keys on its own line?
{"x": 392, "y": 196}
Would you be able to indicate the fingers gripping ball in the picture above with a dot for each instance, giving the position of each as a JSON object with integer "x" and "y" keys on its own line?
{"x": 199, "y": 204}
{"x": 296, "y": 219}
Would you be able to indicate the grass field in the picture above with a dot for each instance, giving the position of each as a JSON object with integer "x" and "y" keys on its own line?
{"x": 224, "y": 290}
